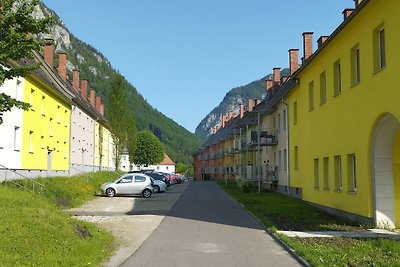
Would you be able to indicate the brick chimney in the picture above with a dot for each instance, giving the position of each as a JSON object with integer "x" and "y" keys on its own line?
{"x": 241, "y": 110}
{"x": 92, "y": 97}
{"x": 268, "y": 85}
{"x": 357, "y": 2}
{"x": 75, "y": 79}
{"x": 62, "y": 65}
{"x": 321, "y": 40}
{"x": 49, "y": 52}
{"x": 307, "y": 45}
{"x": 98, "y": 103}
{"x": 277, "y": 75}
{"x": 347, "y": 12}
{"x": 293, "y": 60}
{"x": 230, "y": 115}
{"x": 250, "y": 104}
{"x": 223, "y": 121}
{"x": 84, "y": 86}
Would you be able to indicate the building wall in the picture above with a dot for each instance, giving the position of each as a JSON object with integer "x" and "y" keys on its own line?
{"x": 82, "y": 140}
{"x": 46, "y": 128}
{"x": 97, "y": 144}
{"x": 346, "y": 123}
{"x": 11, "y": 128}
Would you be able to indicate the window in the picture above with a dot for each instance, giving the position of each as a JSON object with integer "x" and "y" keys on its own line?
{"x": 58, "y": 118}
{"x": 379, "y": 48}
{"x": 42, "y": 142}
{"x": 139, "y": 179}
{"x": 338, "y": 173}
{"x": 316, "y": 173}
{"x": 284, "y": 120}
{"x": 51, "y": 127}
{"x": 17, "y": 90}
{"x": 337, "y": 78}
{"x": 311, "y": 96}
{"x": 326, "y": 173}
{"x": 351, "y": 173}
{"x": 274, "y": 122}
{"x": 30, "y": 145}
{"x": 295, "y": 113}
{"x": 17, "y": 138}
{"x": 322, "y": 88}
{"x": 279, "y": 122}
{"x": 43, "y": 105}
{"x": 126, "y": 180}
{"x": 280, "y": 160}
{"x": 355, "y": 65}
{"x": 32, "y": 99}
{"x": 296, "y": 157}
{"x": 284, "y": 159}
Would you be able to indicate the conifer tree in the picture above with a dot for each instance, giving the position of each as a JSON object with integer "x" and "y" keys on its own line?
{"x": 118, "y": 116}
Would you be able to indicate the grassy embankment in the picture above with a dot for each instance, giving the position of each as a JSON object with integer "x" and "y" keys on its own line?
{"x": 35, "y": 231}
{"x": 279, "y": 212}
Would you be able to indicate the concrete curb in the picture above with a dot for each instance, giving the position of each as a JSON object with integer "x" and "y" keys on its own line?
{"x": 293, "y": 253}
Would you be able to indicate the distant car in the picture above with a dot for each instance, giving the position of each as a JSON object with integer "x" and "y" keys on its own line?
{"x": 159, "y": 176}
{"x": 129, "y": 184}
{"x": 159, "y": 186}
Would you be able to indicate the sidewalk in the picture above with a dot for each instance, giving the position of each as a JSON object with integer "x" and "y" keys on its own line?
{"x": 370, "y": 233}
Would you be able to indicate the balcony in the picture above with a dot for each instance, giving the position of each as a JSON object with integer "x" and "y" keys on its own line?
{"x": 266, "y": 139}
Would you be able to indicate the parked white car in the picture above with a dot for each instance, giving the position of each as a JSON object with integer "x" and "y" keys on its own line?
{"x": 159, "y": 186}
{"x": 129, "y": 184}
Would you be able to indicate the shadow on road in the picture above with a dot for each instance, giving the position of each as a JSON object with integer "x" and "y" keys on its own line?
{"x": 199, "y": 201}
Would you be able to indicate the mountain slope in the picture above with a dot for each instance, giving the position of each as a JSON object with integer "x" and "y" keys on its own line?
{"x": 179, "y": 143}
{"x": 231, "y": 102}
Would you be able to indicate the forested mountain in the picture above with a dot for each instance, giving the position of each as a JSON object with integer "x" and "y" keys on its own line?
{"x": 231, "y": 102}
{"x": 179, "y": 143}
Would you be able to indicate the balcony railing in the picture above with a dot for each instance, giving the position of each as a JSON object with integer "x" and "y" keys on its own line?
{"x": 266, "y": 139}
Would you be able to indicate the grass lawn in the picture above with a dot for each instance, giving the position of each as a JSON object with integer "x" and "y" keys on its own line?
{"x": 35, "y": 231}
{"x": 279, "y": 212}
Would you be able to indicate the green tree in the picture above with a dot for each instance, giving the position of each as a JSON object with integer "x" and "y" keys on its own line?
{"x": 149, "y": 149}
{"x": 131, "y": 139}
{"x": 18, "y": 31}
{"x": 118, "y": 116}
{"x": 180, "y": 167}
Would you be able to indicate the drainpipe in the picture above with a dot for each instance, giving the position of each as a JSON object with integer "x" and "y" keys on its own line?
{"x": 288, "y": 146}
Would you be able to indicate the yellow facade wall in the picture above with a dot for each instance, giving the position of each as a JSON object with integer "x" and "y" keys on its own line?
{"x": 345, "y": 124}
{"x": 46, "y": 128}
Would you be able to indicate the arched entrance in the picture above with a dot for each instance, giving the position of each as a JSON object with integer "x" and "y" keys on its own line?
{"x": 385, "y": 161}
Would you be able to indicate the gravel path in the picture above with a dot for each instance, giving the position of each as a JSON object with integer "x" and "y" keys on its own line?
{"x": 130, "y": 219}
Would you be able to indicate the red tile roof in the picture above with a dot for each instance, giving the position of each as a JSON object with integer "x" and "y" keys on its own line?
{"x": 167, "y": 160}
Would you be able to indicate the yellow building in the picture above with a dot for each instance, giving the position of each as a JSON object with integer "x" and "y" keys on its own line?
{"x": 344, "y": 117}
{"x": 46, "y": 125}
{"x": 103, "y": 147}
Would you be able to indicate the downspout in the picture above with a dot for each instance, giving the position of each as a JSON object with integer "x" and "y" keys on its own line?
{"x": 288, "y": 147}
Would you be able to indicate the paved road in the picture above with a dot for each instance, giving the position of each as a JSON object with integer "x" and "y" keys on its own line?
{"x": 206, "y": 227}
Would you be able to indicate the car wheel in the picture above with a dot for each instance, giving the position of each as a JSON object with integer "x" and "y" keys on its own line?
{"x": 156, "y": 189}
{"x": 146, "y": 193}
{"x": 110, "y": 192}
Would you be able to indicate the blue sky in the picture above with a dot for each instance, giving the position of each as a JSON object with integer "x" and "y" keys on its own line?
{"x": 183, "y": 56}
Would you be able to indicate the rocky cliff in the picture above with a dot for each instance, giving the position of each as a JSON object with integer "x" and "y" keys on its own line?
{"x": 231, "y": 102}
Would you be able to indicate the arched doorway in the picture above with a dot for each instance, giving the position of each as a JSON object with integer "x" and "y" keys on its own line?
{"x": 385, "y": 157}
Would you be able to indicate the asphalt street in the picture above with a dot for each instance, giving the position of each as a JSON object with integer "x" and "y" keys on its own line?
{"x": 206, "y": 227}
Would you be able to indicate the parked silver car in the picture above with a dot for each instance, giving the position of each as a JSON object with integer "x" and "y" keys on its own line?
{"x": 129, "y": 184}
{"x": 159, "y": 186}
